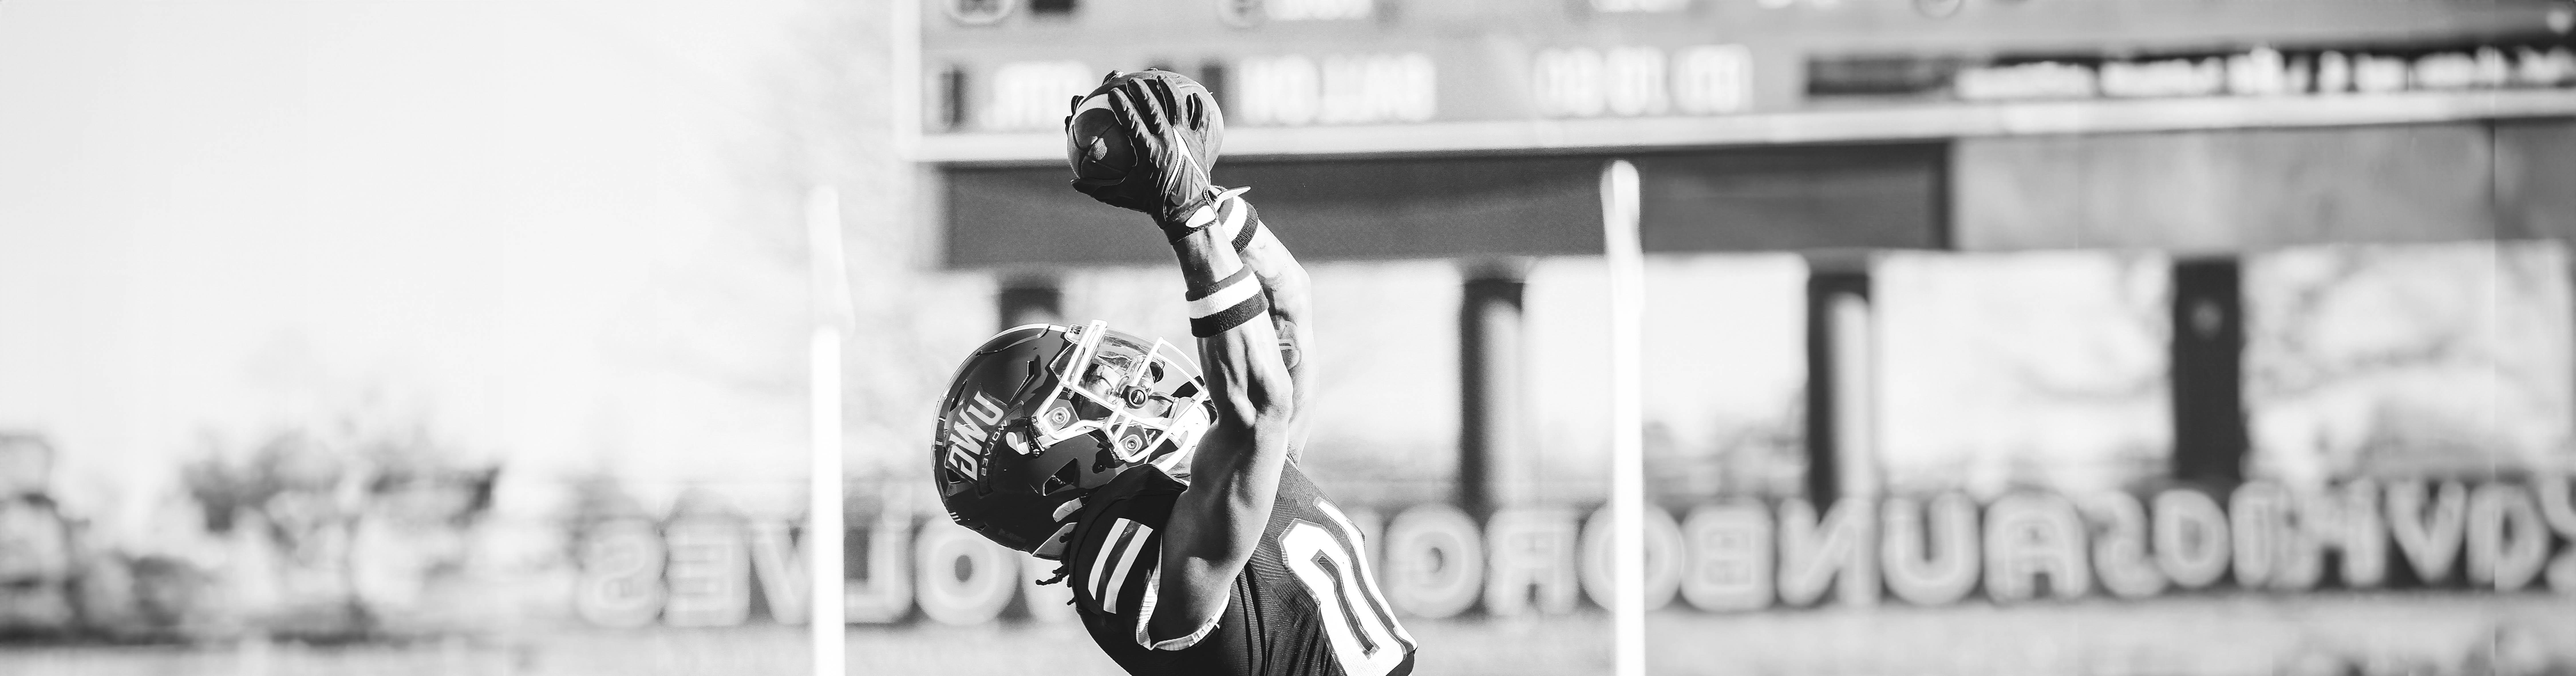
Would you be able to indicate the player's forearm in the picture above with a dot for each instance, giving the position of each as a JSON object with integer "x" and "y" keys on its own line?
{"x": 1228, "y": 311}
{"x": 1291, "y": 295}
{"x": 1284, "y": 279}
{"x": 1280, "y": 273}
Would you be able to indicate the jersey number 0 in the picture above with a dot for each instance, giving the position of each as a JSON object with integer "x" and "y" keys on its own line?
{"x": 1355, "y": 616}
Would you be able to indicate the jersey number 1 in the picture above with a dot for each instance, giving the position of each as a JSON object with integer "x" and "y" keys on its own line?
{"x": 1364, "y": 633}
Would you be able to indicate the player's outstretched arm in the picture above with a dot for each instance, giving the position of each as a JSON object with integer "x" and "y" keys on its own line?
{"x": 1217, "y": 522}
{"x": 1172, "y": 184}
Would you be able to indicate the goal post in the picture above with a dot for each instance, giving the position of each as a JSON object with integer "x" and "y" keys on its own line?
{"x": 1625, "y": 257}
{"x": 830, "y": 292}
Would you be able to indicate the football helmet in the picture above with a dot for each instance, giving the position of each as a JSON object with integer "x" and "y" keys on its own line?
{"x": 1040, "y": 415}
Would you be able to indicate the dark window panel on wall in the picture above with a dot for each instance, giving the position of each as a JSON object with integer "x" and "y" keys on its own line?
{"x": 1358, "y": 209}
{"x": 1430, "y": 208}
{"x": 1764, "y": 199}
{"x": 1809, "y": 197}
{"x": 1032, "y": 217}
{"x": 2228, "y": 189}
{"x": 2535, "y": 178}
{"x": 1051, "y": 6}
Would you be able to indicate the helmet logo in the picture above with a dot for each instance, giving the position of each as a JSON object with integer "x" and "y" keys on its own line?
{"x": 963, "y": 463}
{"x": 968, "y": 434}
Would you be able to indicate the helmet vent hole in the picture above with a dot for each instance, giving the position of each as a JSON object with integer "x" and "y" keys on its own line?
{"x": 1066, "y": 478}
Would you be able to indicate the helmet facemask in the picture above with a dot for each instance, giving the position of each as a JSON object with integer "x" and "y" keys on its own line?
{"x": 1141, "y": 402}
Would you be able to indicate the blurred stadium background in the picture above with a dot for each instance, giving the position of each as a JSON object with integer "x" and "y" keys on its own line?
{"x": 1984, "y": 336}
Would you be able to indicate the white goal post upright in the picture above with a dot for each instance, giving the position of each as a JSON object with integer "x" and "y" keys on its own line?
{"x": 1626, "y": 260}
{"x": 830, "y": 291}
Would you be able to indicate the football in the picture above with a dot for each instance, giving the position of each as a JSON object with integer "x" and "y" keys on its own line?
{"x": 1095, "y": 143}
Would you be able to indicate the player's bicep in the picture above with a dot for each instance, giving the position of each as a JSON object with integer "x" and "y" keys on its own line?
{"x": 1191, "y": 583}
{"x": 1215, "y": 526}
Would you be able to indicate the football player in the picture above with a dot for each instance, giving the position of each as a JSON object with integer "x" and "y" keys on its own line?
{"x": 1173, "y": 501}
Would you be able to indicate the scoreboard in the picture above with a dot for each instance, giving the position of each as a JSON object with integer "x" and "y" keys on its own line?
{"x": 1475, "y": 128}
{"x": 1400, "y": 71}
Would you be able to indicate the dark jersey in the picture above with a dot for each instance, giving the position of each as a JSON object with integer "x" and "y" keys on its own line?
{"x": 1306, "y": 604}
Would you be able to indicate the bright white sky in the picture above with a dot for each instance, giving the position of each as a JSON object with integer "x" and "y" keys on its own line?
{"x": 224, "y": 217}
